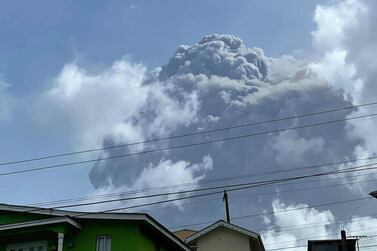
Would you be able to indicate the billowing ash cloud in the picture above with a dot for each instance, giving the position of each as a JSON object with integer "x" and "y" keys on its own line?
{"x": 216, "y": 83}
{"x": 223, "y": 56}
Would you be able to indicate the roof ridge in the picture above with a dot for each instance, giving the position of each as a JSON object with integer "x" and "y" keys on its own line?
{"x": 224, "y": 224}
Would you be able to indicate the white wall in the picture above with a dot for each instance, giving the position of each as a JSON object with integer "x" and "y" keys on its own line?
{"x": 223, "y": 239}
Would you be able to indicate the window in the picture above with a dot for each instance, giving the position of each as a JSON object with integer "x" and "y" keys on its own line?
{"x": 104, "y": 243}
{"x": 28, "y": 246}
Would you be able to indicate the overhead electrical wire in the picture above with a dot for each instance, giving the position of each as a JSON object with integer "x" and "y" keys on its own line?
{"x": 84, "y": 214}
{"x": 321, "y": 236}
{"x": 286, "y": 228}
{"x": 185, "y": 145}
{"x": 249, "y": 195}
{"x": 223, "y": 179}
{"x": 273, "y": 212}
{"x": 315, "y": 224}
{"x": 189, "y": 145}
{"x": 290, "y": 227}
{"x": 187, "y": 135}
{"x": 230, "y": 188}
{"x": 235, "y": 188}
{"x": 259, "y": 214}
{"x": 268, "y": 193}
{"x": 337, "y": 220}
{"x": 346, "y": 214}
{"x": 240, "y": 188}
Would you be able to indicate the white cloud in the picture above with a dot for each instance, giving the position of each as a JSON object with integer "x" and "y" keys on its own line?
{"x": 346, "y": 37}
{"x": 110, "y": 107}
{"x": 95, "y": 105}
{"x": 282, "y": 234}
{"x": 334, "y": 21}
{"x": 295, "y": 228}
{"x": 167, "y": 175}
{"x": 334, "y": 69}
{"x": 183, "y": 172}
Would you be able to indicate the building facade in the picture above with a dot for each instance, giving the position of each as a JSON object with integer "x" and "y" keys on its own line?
{"x": 37, "y": 229}
{"x": 224, "y": 236}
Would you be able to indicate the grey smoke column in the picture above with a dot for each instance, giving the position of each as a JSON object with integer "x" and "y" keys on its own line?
{"x": 219, "y": 82}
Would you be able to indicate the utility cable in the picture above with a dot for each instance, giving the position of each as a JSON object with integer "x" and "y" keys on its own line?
{"x": 234, "y": 187}
{"x": 187, "y": 135}
{"x": 185, "y": 146}
{"x": 223, "y": 179}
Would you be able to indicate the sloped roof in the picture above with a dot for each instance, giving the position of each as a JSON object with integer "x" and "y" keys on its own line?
{"x": 222, "y": 223}
{"x": 184, "y": 233}
{"x": 62, "y": 214}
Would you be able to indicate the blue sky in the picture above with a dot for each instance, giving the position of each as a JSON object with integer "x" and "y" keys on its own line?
{"x": 81, "y": 74}
{"x": 39, "y": 37}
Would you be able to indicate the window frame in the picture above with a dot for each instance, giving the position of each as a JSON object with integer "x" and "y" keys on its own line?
{"x": 104, "y": 236}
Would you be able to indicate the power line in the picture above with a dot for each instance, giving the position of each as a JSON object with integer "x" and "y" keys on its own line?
{"x": 217, "y": 192}
{"x": 314, "y": 225}
{"x": 294, "y": 209}
{"x": 83, "y": 214}
{"x": 322, "y": 236}
{"x": 280, "y": 211}
{"x": 312, "y": 237}
{"x": 230, "y": 188}
{"x": 185, "y": 146}
{"x": 349, "y": 212}
{"x": 256, "y": 194}
{"x": 223, "y": 179}
{"x": 300, "y": 208}
{"x": 186, "y": 135}
{"x": 268, "y": 193}
{"x": 233, "y": 187}
{"x": 273, "y": 212}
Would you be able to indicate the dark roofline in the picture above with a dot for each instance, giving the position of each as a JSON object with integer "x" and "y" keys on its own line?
{"x": 331, "y": 240}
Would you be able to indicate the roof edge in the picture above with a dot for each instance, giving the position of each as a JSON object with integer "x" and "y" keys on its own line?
{"x": 40, "y": 223}
{"x": 224, "y": 224}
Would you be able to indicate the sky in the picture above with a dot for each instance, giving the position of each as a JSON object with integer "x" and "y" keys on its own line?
{"x": 83, "y": 75}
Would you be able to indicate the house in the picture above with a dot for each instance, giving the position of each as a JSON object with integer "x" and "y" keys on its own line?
{"x": 330, "y": 245}
{"x": 38, "y": 229}
{"x": 223, "y": 236}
